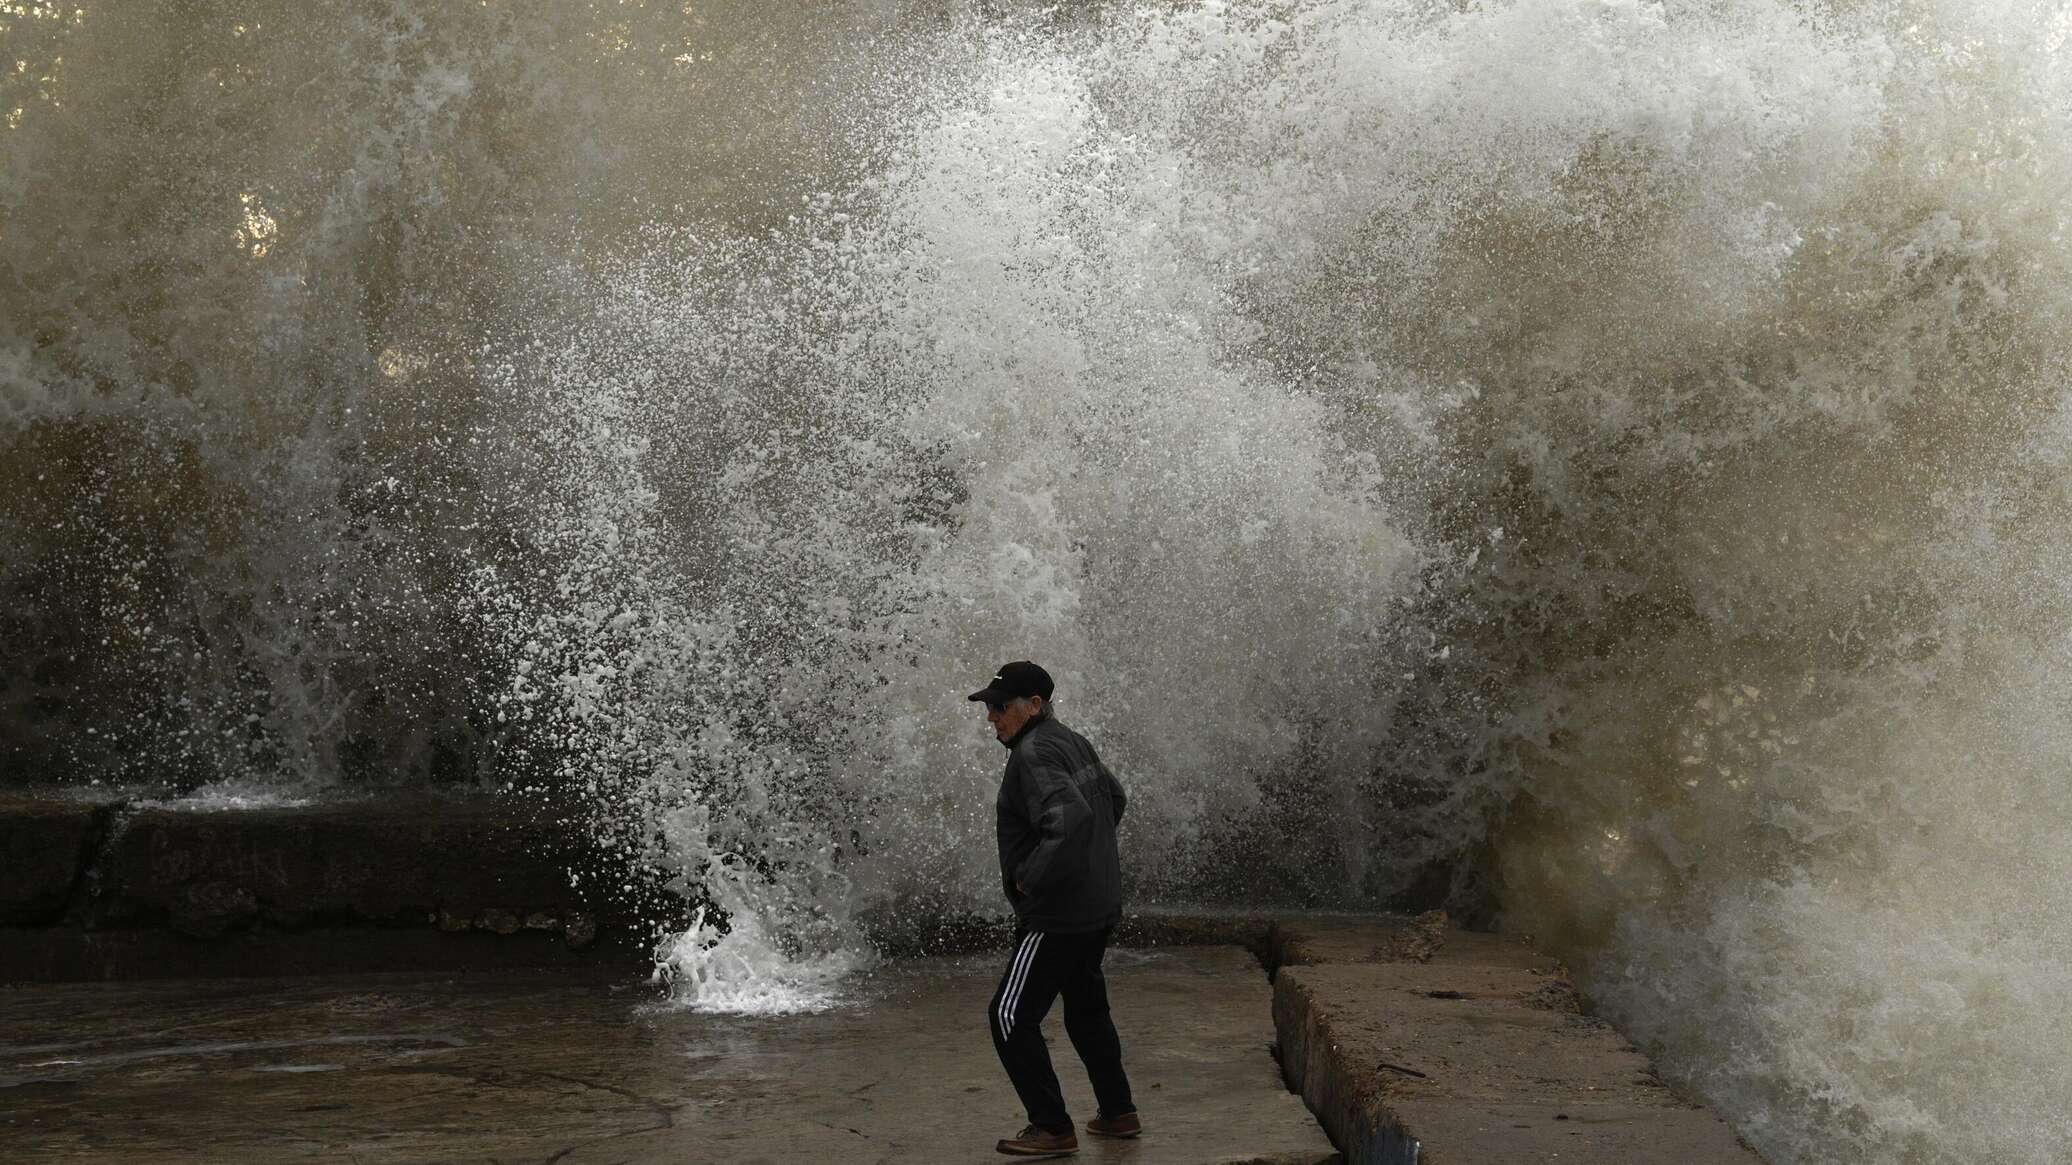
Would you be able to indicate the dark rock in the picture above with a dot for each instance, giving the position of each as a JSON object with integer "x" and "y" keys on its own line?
{"x": 44, "y": 844}
{"x": 208, "y": 909}
{"x": 497, "y": 919}
{"x": 1557, "y": 993}
{"x": 580, "y": 930}
{"x": 1419, "y": 941}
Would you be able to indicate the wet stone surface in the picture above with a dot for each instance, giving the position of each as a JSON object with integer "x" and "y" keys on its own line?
{"x": 537, "y": 1066}
{"x": 1419, "y": 1043}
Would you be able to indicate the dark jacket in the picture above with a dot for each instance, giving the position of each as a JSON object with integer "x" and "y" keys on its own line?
{"x": 1057, "y": 813}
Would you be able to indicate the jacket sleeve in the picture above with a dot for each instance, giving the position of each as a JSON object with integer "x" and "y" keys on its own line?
{"x": 1062, "y": 817}
{"x": 1116, "y": 796}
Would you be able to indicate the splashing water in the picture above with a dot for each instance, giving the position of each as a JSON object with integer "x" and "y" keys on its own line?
{"x": 732, "y": 962}
{"x": 230, "y": 796}
{"x": 745, "y": 972}
{"x": 1607, "y": 456}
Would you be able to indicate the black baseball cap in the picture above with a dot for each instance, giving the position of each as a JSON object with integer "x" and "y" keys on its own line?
{"x": 1013, "y": 682}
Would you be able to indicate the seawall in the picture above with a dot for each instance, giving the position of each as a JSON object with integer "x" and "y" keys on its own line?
{"x": 97, "y": 889}
{"x": 1413, "y": 1042}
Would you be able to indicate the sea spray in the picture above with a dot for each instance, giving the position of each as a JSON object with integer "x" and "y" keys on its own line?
{"x": 639, "y": 692}
{"x": 1610, "y": 456}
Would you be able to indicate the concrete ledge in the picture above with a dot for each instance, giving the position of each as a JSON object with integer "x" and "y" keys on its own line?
{"x": 396, "y": 861}
{"x": 68, "y": 954}
{"x": 1419, "y": 1045}
{"x": 413, "y": 881}
{"x": 45, "y": 843}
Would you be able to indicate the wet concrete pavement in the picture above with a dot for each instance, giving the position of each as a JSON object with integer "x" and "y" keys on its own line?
{"x": 551, "y": 1066}
{"x": 1419, "y": 1044}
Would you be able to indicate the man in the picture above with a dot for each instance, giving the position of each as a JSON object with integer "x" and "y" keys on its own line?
{"x": 1057, "y": 812}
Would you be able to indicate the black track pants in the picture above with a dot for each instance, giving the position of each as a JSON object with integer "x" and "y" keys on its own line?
{"x": 1041, "y": 968}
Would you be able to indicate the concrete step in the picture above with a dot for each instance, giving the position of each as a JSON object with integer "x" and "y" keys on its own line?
{"x": 1417, "y": 1044}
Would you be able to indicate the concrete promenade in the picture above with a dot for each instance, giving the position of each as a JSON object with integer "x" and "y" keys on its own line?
{"x": 1420, "y": 1045}
{"x": 555, "y": 1066}
{"x": 473, "y": 1006}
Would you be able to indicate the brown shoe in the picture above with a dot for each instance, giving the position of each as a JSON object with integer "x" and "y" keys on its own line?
{"x": 1125, "y": 1125}
{"x": 1034, "y": 1142}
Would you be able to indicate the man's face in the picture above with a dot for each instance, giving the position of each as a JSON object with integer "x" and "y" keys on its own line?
{"x": 1008, "y": 719}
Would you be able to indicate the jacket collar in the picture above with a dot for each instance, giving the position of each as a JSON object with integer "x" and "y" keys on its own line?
{"x": 1042, "y": 717}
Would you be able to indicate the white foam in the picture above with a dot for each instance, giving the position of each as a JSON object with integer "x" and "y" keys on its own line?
{"x": 743, "y": 972}
{"x": 237, "y": 793}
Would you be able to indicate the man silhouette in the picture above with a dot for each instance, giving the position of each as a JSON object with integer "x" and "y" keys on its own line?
{"x": 1056, "y": 816}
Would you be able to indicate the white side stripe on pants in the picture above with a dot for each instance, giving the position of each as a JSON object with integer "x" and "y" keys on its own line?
{"x": 1011, "y": 994}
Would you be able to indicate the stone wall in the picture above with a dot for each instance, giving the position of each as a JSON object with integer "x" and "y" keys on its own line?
{"x": 121, "y": 890}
